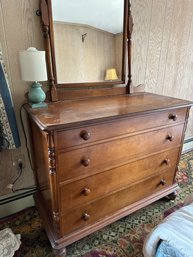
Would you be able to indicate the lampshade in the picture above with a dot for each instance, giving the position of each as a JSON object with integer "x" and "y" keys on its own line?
{"x": 33, "y": 65}
{"x": 111, "y": 74}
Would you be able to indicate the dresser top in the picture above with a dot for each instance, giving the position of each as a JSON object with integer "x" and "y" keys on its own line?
{"x": 74, "y": 112}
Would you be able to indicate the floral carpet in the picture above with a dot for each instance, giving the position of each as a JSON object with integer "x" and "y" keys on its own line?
{"x": 123, "y": 238}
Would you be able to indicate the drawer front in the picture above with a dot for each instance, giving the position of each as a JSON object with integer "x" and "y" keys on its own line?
{"x": 90, "y": 213}
{"x": 95, "y": 158}
{"x": 92, "y": 187}
{"x": 119, "y": 127}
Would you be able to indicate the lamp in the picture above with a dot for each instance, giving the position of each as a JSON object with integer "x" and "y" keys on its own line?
{"x": 33, "y": 68}
{"x": 111, "y": 74}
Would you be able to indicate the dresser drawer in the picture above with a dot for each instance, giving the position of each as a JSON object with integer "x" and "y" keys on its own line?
{"x": 90, "y": 213}
{"x": 88, "y": 134}
{"x": 92, "y": 187}
{"x": 95, "y": 158}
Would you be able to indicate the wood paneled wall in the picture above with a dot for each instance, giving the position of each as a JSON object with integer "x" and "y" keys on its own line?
{"x": 87, "y": 60}
{"x": 162, "y": 58}
{"x": 118, "y": 53}
{"x": 19, "y": 29}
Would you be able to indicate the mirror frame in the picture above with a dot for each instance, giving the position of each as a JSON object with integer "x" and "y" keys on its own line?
{"x": 63, "y": 91}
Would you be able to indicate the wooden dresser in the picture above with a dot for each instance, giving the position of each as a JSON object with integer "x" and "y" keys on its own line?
{"x": 99, "y": 159}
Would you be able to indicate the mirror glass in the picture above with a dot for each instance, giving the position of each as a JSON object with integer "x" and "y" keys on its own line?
{"x": 88, "y": 40}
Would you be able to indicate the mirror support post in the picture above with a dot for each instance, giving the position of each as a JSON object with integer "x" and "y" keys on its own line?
{"x": 129, "y": 45}
{"x": 46, "y": 33}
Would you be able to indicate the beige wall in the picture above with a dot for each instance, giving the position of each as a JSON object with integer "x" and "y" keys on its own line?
{"x": 86, "y": 61}
{"x": 19, "y": 29}
{"x": 162, "y": 57}
{"x": 118, "y": 53}
{"x": 163, "y": 49}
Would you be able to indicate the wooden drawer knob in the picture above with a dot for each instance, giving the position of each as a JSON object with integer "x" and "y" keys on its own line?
{"x": 162, "y": 182}
{"x": 85, "y": 161}
{"x": 166, "y": 161}
{"x": 173, "y": 116}
{"x": 86, "y": 191}
{"x": 85, "y": 135}
{"x": 170, "y": 137}
{"x": 85, "y": 216}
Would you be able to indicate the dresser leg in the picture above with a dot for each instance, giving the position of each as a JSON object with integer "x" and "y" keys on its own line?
{"x": 171, "y": 196}
{"x": 59, "y": 253}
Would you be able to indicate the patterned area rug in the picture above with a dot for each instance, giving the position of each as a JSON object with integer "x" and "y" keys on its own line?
{"x": 123, "y": 238}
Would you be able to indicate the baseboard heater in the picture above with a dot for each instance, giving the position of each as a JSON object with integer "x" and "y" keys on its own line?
{"x": 188, "y": 145}
{"x": 17, "y": 196}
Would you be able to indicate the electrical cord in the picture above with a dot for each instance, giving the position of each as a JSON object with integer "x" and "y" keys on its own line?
{"x": 25, "y": 136}
{"x": 24, "y": 188}
{"x": 20, "y": 165}
{"x": 12, "y": 185}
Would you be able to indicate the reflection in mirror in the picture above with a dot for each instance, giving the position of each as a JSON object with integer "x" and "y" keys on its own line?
{"x": 88, "y": 39}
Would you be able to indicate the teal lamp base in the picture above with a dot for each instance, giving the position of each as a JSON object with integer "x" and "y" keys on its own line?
{"x": 38, "y": 105}
{"x": 37, "y": 96}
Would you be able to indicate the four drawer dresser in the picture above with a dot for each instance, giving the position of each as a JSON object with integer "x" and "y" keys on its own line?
{"x": 100, "y": 159}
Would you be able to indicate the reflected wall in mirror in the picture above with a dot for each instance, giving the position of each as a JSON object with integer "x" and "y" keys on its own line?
{"x": 88, "y": 39}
